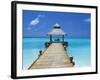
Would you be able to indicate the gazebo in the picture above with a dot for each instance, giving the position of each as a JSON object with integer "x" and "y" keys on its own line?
{"x": 56, "y": 31}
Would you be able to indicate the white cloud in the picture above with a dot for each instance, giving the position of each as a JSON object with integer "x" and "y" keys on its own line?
{"x": 87, "y": 20}
{"x": 40, "y": 16}
{"x": 36, "y": 20}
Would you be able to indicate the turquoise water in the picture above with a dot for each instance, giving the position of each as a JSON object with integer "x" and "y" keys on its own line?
{"x": 78, "y": 48}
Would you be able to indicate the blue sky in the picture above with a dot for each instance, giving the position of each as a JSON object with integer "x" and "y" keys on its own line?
{"x": 39, "y": 23}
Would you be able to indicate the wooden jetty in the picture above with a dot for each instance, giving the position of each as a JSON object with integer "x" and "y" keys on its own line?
{"x": 55, "y": 55}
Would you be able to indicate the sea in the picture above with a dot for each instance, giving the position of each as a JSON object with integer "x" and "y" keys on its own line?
{"x": 78, "y": 48}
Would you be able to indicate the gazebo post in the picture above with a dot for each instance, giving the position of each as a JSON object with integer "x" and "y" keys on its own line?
{"x": 50, "y": 38}
{"x": 63, "y": 38}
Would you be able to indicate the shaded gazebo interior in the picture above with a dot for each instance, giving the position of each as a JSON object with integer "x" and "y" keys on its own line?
{"x": 57, "y": 34}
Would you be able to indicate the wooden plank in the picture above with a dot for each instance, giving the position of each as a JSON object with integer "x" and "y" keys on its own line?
{"x": 55, "y": 56}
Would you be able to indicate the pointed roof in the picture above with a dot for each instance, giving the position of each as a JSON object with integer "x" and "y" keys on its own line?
{"x": 56, "y": 30}
{"x": 57, "y": 25}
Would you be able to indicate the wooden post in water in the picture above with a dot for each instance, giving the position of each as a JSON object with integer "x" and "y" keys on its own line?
{"x": 63, "y": 38}
{"x": 50, "y": 38}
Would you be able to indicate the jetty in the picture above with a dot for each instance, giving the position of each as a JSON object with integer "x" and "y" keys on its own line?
{"x": 55, "y": 54}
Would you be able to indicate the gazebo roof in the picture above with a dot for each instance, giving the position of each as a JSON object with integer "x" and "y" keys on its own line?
{"x": 57, "y": 25}
{"x": 56, "y": 30}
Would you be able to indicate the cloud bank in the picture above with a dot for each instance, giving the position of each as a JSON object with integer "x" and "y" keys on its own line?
{"x": 36, "y": 20}
{"x": 87, "y": 20}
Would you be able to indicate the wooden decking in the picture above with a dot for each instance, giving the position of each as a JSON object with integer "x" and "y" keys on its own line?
{"x": 54, "y": 56}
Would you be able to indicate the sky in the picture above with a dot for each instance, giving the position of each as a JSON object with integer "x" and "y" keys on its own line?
{"x": 39, "y": 23}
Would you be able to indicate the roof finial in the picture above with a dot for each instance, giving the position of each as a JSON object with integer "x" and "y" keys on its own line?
{"x": 57, "y": 25}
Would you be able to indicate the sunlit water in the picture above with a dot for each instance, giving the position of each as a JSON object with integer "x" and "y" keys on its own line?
{"x": 78, "y": 48}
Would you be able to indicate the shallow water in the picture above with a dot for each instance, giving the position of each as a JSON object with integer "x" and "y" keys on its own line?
{"x": 78, "y": 48}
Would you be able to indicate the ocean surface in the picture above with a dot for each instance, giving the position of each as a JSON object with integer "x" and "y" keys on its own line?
{"x": 78, "y": 48}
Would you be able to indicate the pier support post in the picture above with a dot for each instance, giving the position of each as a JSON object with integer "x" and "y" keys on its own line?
{"x": 63, "y": 38}
{"x": 50, "y": 38}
